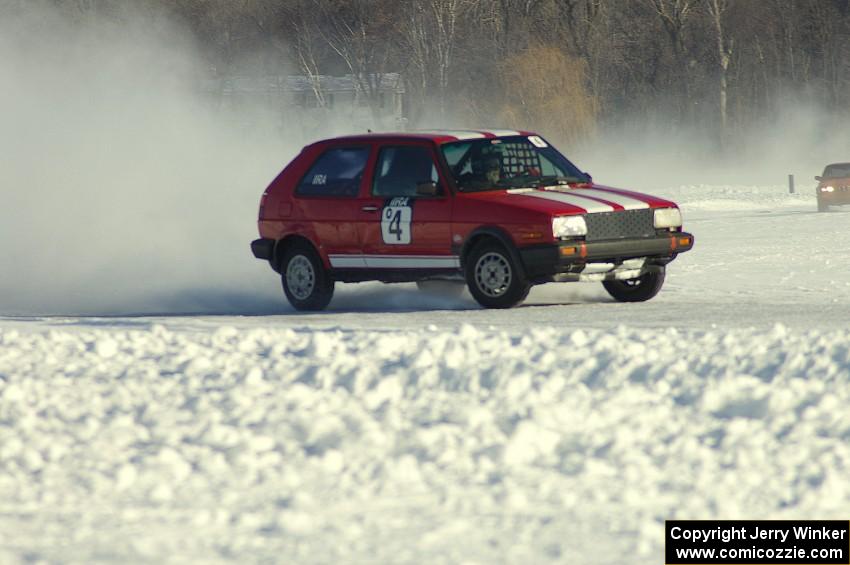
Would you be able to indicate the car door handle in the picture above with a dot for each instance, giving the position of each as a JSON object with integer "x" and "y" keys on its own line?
{"x": 369, "y": 208}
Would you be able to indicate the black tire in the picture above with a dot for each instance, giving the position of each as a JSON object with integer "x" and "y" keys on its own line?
{"x": 447, "y": 289}
{"x": 305, "y": 281}
{"x": 640, "y": 289}
{"x": 822, "y": 207}
{"x": 493, "y": 277}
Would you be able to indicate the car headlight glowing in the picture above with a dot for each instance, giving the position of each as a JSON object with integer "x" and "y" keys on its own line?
{"x": 667, "y": 218}
{"x": 569, "y": 226}
{"x": 827, "y": 189}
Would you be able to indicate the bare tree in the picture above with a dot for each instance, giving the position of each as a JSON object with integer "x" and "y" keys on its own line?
{"x": 429, "y": 32}
{"x": 674, "y": 16}
{"x": 307, "y": 45}
{"x": 662, "y": 59}
{"x": 359, "y": 32}
{"x": 717, "y": 10}
{"x": 545, "y": 89}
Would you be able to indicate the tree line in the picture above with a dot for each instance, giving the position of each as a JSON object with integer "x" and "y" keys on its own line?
{"x": 565, "y": 67}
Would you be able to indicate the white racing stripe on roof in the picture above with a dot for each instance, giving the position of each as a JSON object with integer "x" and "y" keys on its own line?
{"x": 501, "y": 132}
{"x": 626, "y": 202}
{"x": 591, "y": 206}
{"x": 460, "y": 134}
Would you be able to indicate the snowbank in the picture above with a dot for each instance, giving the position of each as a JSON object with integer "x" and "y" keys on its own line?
{"x": 740, "y": 198}
{"x": 423, "y": 446}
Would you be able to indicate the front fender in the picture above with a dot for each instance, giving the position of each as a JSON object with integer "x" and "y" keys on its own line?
{"x": 495, "y": 232}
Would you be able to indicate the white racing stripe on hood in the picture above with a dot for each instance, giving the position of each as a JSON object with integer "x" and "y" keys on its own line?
{"x": 592, "y": 206}
{"x": 627, "y": 202}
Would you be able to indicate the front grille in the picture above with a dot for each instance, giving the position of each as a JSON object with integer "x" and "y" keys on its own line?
{"x": 624, "y": 224}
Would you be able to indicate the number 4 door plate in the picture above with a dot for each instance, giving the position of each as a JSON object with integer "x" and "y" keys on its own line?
{"x": 396, "y": 216}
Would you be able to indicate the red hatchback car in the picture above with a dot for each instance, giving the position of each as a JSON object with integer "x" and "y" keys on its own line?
{"x": 499, "y": 210}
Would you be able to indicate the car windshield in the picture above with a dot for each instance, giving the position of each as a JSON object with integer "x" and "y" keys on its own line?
{"x": 838, "y": 170}
{"x": 508, "y": 162}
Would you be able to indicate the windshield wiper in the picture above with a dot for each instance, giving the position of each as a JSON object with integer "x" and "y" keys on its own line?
{"x": 479, "y": 186}
{"x": 521, "y": 181}
{"x": 553, "y": 180}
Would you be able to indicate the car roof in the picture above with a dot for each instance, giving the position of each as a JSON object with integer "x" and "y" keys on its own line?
{"x": 437, "y": 136}
{"x": 839, "y": 165}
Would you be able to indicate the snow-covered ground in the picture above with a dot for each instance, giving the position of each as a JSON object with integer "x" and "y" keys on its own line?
{"x": 403, "y": 428}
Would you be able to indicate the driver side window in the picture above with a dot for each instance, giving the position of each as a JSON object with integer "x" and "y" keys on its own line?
{"x": 400, "y": 169}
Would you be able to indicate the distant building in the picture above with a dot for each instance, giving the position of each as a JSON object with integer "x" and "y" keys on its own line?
{"x": 318, "y": 105}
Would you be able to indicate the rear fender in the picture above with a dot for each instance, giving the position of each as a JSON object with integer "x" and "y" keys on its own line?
{"x": 308, "y": 238}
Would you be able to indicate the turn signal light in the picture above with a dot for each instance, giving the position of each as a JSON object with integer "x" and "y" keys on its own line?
{"x": 531, "y": 235}
{"x": 684, "y": 241}
{"x": 569, "y": 251}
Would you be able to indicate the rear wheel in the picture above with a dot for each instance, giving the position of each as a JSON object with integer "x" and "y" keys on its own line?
{"x": 448, "y": 289}
{"x": 493, "y": 278}
{"x": 305, "y": 282}
{"x": 639, "y": 289}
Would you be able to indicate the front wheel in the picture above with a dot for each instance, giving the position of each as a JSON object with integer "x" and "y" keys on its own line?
{"x": 305, "y": 281}
{"x": 639, "y": 289}
{"x": 493, "y": 278}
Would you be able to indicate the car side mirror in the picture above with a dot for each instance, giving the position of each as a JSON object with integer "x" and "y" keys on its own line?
{"x": 818, "y": 179}
{"x": 429, "y": 188}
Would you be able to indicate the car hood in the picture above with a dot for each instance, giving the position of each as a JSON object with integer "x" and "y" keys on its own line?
{"x": 567, "y": 200}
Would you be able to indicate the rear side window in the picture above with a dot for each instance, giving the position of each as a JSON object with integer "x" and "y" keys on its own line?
{"x": 337, "y": 172}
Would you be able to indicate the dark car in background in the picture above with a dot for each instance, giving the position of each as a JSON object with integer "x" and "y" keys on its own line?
{"x": 833, "y": 186}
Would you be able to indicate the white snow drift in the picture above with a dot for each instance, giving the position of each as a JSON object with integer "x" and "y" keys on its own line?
{"x": 418, "y": 446}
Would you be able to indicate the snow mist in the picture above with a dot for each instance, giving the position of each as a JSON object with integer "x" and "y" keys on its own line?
{"x": 121, "y": 189}
{"x": 644, "y": 155}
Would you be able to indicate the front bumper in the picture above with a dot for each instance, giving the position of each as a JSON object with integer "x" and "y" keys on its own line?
{"x": 834, "y": 198}
{"x": 580, "y": 260}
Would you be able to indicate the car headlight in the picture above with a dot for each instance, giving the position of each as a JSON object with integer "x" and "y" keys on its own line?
{"x": 569, "y": 226}
{"x": 667, "y": 218}
{"x": 827, "y": 189}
